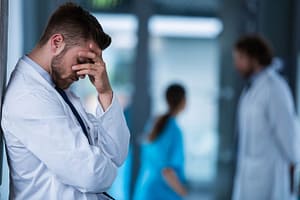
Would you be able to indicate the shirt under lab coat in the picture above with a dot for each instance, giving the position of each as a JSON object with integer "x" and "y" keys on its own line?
{"x": 49, "y": 155}
{"x": 267, "y": 139}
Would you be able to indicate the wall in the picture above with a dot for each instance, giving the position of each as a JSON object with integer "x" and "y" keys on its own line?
{"x": 3, "y": 59}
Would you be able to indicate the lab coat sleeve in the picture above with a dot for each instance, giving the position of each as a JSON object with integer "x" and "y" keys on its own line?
{"x": 283, "y": 120}
{"x": 40, "y": 123}
{"x": 111, "y": 133}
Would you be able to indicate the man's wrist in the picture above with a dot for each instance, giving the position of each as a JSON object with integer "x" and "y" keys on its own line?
{"x": 105, "y": 99}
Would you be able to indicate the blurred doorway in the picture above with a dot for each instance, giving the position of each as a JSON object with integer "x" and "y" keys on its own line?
{"x": 185, "y": 50}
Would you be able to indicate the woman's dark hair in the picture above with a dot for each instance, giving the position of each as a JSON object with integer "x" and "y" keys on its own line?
{"x": 76, "y": 25}
{"x": 257, "y": 47}
{"x": 175, "y": 94}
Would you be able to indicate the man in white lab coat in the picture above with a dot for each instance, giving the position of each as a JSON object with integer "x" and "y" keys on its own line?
{"x": 266, "y": 126}
{"x": 57, "y": 151}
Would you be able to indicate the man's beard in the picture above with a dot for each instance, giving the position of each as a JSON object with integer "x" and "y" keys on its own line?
{"x": 57, "y": 69}
{"x": 247, "y": 74}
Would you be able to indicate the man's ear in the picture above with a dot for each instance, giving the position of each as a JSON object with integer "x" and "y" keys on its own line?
{"x": 57, "y": 44}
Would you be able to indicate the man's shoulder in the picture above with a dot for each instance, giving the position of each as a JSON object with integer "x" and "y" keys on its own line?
{"x": 24, "y": 84}
{"x": 275, "y": 80}
{"x": 19, "y": 89}
{"x": 26, "y": 98}
{"x": 277, "y": 85}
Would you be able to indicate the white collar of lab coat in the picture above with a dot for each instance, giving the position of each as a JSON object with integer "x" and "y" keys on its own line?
{"x": 27, "y": 69}
{"x": 38, "y": 69}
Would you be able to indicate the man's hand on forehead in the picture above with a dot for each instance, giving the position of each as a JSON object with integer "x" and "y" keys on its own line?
{"x": 93, "y": 55}
{"x": 95, "y": 49}
{"x": 96, "y": 70}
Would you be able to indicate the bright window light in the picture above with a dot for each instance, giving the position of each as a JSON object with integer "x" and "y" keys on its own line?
{"x": 118, "y": 22}
{"x": 122, "y": 28}
{"x": 176, "y": 26}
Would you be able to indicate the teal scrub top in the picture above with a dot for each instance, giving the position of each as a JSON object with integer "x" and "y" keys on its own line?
{"x": 165, "y": 151}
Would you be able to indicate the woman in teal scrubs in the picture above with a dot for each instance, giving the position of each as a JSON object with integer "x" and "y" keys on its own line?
{"x": 161, "y": 175}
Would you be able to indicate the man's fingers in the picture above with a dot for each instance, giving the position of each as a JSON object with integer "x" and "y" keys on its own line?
{"x": 82, "y": 66}
{"x": 94, "y": 66}
{"x": 94, "y": 54}
{"x": 86, "y": 72}
{"x": 97, "y": 50}
{"x": 85, "y": 69}
{"x": 84, "y": 55}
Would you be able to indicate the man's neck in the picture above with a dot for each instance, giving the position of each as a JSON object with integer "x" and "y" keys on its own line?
{"x": 38, "y": 56}
{"x": 256, "y": 70}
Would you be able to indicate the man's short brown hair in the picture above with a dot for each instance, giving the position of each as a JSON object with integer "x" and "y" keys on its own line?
{"x": 255, "y": 46}
{"x": 76, "y": 25}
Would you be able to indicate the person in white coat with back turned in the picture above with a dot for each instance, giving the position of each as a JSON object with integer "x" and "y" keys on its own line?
{"x": 56, "y": 150}
{"x": 267, "y": 132}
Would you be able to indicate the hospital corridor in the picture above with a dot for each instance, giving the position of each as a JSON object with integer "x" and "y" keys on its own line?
{"x": 150, "y": 99}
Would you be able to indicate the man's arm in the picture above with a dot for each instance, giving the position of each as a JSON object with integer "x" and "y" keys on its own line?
{"x": 114, "y": 137}
{"x": 282, "y": 117}
{"x": 111, "y": 133}
{"x": 96, "y": 70}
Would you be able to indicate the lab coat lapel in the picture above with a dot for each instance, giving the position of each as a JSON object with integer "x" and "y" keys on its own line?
{"x": 28, "y": 70}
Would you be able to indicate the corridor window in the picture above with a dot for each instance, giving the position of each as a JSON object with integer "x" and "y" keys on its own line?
{"x": 185, "y": 50}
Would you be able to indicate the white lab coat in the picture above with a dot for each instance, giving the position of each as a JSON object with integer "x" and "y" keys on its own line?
{"x": 267, "y": 139}
{"x": 49, "y": 156}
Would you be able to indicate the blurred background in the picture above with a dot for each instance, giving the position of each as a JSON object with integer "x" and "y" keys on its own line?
{"x": 158, "y": 42}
